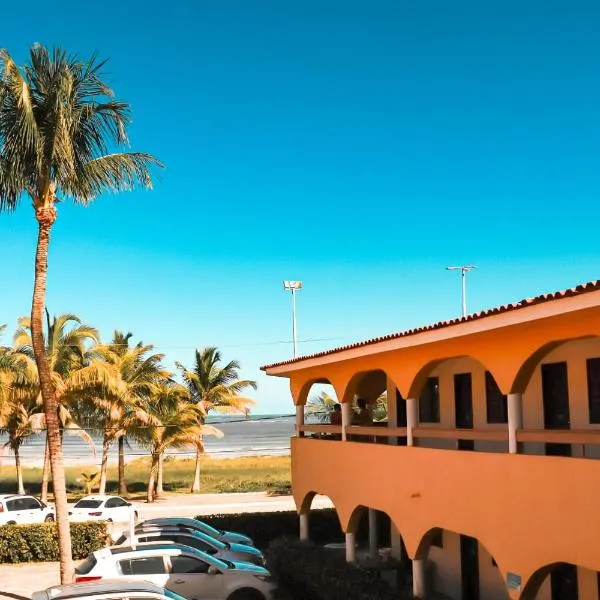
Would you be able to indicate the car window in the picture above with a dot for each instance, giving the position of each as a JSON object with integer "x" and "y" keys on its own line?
{"x": 31, "y": 503}
{"x": 188, "y": 540}
{"x": 187, "y": 564}
{"x": 13, "y": 505}
{"x": 150, "y": 565}
{"x": 86, "y": 566}
{"x": 111, "y": 503}
{"x": 88, "y": 504}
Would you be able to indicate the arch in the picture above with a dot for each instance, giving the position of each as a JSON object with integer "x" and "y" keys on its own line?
{"x": 525, "y": 372}
{"x": 535, "y": 581}
{"x": 366, "y": 384}
{"x": 300, "y": 392}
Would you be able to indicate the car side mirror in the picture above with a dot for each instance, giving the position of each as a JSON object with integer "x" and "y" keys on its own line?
{"x": 212, "y": 570}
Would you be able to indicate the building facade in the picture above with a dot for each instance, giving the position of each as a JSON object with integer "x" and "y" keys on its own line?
{"x": 488, "y": 466}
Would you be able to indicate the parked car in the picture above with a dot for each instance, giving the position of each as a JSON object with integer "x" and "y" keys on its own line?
{"x": 21, "y": 510}
{"x": 199, "y": 540}
{"x": 107, "y": 589}
{"x": 189, "y": 523}
{"x": 102, "y": 508}
{"x": 181, "y": 569}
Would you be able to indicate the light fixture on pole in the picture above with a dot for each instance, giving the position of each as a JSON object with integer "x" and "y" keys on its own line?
{"x": 463, "y": 274}
{"x": 293, "y": 286}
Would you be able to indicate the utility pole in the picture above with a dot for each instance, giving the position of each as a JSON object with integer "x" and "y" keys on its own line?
{"x": 293, "y": 286}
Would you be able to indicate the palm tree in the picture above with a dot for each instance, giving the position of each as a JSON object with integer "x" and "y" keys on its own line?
{"x": 73, "y": 371}
{"x": 320, "y": 407}
{"x": 215, "y": 388}
{"x": 177, "y": 425}
{"x": 57, "y": 120}
{"x": 124, "y": 406}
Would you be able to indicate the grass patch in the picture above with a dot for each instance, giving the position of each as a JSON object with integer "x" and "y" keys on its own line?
{"x": 247, "y": 474}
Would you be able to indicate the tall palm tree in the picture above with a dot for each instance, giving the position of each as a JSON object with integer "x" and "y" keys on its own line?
{"x": 215, "y": 388}
{"x": 73, "y": 371}
{"x": 177, "y": 425}
{"x": 124, "y": 405}
{"x": 58, "y": 119}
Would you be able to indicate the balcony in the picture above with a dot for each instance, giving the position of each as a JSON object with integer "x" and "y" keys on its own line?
{"x": 528, "y": 511}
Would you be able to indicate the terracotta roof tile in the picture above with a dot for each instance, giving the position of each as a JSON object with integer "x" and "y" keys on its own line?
{"x": 584, "y": 288}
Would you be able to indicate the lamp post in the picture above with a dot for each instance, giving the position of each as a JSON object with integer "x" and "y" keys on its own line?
{"x": 293, "y": 286}
{"x": 463, "y": 273}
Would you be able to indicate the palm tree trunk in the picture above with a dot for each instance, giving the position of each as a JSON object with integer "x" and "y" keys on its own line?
{"x": 104, "y": 464}
{"x": 122, "y": 483}
{"x": 159, "y": 475}
{"x": 21, "y": 488}
{"x": 152, "y": 478}
{"x": 46, "y": 215}
{"x": 45, "y": 473}
{"x": 196, "y": 485}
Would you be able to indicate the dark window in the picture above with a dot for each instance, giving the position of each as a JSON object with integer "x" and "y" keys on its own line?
{"x": 151, "y": 565}
{"x": 86, "y": 566}
{"x": 113, "y": 503}
{"x": 14, "y": 505}
{"x": 88, "y": 504}
{"x": 31, "y": 504}
{"x": 186, "y": 564}
{"x": 437, "y": 538}
{"x": 593, "y": 381}
{"x": 188, "y": 540}
{"x": 496, "y": 403}
{"x": 429, "y": 402}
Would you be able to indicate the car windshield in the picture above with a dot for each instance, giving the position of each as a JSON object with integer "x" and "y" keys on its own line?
{"x": 173, "y": 595}
{"x": 88, "y": 504}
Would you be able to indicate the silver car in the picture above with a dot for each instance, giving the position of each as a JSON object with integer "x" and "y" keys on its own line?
{"x": 107, "y": 589}
{"x": 196, "y": 539}
{"x": 231, "y": 537}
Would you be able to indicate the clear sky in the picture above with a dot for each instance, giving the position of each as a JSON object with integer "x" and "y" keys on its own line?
{"x": 359, "y": 146}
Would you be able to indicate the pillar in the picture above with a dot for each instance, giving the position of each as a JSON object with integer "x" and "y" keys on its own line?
{"x": 396, "y": 542}
{"x": 299, "y": 419}
{"x": 346, "y": 418}
{"x": 373, "y": 542}
{"x": 350, "y": 547}
{"x": 515, "y": 420}
{"x": 412, "y": 419}
{"x": 304, "y": 527}
{"x": 418, "y": 572}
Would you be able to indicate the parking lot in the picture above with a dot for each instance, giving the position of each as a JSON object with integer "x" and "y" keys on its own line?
{"x": 20, "y": 581}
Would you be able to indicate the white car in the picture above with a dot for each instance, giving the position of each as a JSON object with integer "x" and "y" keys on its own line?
{"x": 102, "y": 508}
{"x": 22, "y": 510}
{"x": 181, "y": 569}
{"x": 196, "y": 539}
{"x": 116, "y": 589}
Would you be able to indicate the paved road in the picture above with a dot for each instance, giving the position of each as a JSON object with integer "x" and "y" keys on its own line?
{"x": 18, "y": 582}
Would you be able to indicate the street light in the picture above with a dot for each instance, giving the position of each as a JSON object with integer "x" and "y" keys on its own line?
{"x": 293, "y": 286}
{"x": 463, "y": 272}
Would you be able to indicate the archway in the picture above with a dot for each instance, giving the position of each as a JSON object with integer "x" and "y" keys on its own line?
{"x": 558, "y": 581}
{"x": 459, "y": 566}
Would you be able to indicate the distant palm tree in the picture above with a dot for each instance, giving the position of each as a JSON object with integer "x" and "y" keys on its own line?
{"x": 123, "y": 404}
{"x": 58, "y": 120}
{"x": 320, "y": 407}
{"x": 73, "y": 371}
{"x": 215, "y": 388}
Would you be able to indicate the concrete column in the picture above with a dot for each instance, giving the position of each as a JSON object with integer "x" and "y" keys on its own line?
{"x": 515, "y": 420}
{"x": 396, "y": 542}
{"x": 346, "y": 418}
{"x": 412, "y": 419}
{"x": 373, "y": 542}
{"x": 299, "y": 419}
{"x": 418, "y": 569}
{"x": 350, "y": 547}
{"x": 304, "y": 536}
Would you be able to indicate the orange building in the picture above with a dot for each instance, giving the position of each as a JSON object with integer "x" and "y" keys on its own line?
{"x": 487, "y": 466}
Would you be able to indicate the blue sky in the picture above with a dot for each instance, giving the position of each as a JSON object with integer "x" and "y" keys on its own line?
{"x": 359, "y": 146}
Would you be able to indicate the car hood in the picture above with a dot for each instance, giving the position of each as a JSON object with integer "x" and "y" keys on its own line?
{"x": 236, "y": 538}
{"x": 245, "y": 549}
{"x": 250, "y": 568}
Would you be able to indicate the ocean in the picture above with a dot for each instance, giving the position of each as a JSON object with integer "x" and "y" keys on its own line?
{"x": 257, "y": 435}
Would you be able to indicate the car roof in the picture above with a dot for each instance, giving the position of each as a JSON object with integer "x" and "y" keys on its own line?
{"x": 98, "y": 497}
{"x": 10, "y": 496}
{"x": 103, "y": 586}
{"x": 167, "y": 548}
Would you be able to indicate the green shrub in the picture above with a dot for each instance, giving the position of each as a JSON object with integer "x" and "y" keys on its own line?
{"x": 324, "y": 526}
{"x": 306, "y": 571}
{"x": 37, "y": 543}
